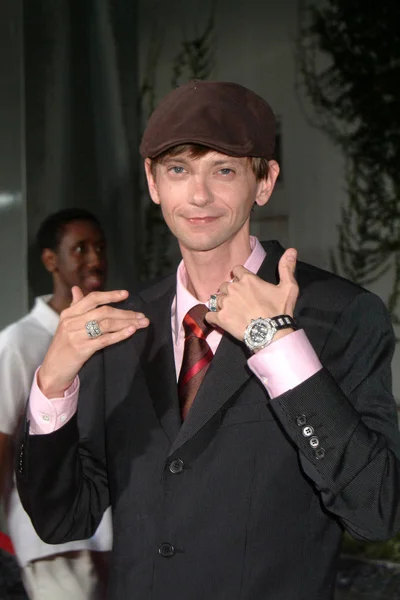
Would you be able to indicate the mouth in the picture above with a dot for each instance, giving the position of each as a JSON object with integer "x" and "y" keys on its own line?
{"x": 201, "y": 220}
{"x": 94, "y": 281}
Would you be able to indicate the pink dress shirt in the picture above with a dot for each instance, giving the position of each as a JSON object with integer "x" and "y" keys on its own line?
{"x": 283, "y": 365}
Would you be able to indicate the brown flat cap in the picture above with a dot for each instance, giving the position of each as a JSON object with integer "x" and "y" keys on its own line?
{"x": 226, "y": 117}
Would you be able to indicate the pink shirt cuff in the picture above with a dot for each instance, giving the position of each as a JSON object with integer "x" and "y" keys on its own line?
{"x": 285, "y": 363}
{"x": 46, "y": 415}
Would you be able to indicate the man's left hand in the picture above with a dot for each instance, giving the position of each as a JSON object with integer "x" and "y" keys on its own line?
{"x": 248, "y": 297}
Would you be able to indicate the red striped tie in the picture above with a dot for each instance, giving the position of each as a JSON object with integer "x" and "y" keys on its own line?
{"x": 197, "y": 356}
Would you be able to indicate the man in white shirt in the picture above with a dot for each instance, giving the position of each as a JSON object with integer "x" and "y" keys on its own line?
{"x": 73, "y": 250}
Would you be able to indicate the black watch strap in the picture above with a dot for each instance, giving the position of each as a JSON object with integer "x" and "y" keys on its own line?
{"x": 283, "y": 322}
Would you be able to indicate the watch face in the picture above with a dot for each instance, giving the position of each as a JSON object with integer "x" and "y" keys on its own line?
{"x": 260, "y": 333}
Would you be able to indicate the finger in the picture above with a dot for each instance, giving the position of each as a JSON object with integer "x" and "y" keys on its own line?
{"x": 113, "y": 325}
{"x": 220, "y": 301}
{"x": 94, "y": 299}
{"x": 108, "y": 318}
{"x": 109, "y": 339}
{"x": 239, "y": 271}
{"x": 77, "y": 294}
{"x": 223, "y": 288}
{"x": 111, "y": 313}
{"x": 212, "y": 318}
{"x": 287, "y": 266}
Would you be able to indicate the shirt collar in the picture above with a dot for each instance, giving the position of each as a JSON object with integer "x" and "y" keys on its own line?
{"x": 44, "y": 314}
{"x": 184, "y": 300}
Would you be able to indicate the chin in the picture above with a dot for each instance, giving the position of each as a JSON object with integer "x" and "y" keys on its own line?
{"x": 92, "y": 288}
{"x": 199, "y": 245}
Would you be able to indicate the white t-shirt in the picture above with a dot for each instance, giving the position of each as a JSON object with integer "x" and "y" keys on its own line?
{"x": 23, "y": 346}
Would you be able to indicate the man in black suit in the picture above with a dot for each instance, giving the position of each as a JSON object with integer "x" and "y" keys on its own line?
{"x": 237, "y": 482}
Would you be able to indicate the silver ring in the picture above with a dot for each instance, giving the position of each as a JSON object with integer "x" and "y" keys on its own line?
{"x": 213, "y": 302}
{"x": 93, "y": 329}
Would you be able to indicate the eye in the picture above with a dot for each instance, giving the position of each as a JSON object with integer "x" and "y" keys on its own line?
{"x": 79, "y": 249}
{"x": 177, "y": 170}
{"x": 226, "y": 171}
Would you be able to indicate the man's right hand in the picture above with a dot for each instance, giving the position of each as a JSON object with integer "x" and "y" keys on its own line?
{"x": 72, "y": 347}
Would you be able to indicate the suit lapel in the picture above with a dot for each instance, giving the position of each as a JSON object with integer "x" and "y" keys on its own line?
{"x": 158, "y": 356}
{"x": 228, "y": 371}
{"x": 269, "y": 268}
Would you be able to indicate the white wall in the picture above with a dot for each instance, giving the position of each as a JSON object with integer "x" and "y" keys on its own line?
{"x": 256, "y": 46}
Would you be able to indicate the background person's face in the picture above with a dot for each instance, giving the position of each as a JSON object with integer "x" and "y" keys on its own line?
{"x": 81, "y": 257}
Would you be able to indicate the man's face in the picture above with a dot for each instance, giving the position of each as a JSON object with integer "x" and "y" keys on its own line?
{"x": 81, "y": 257}
{"x": 206, "y": 202}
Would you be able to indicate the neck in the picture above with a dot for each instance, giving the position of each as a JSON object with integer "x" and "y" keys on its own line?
{"x": 208, "y": 270}
{"x": 59, "y": 302}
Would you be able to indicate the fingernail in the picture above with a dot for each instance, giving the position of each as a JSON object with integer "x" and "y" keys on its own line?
{"x": 291, "y": 256}
{"x": 139, "y": 315}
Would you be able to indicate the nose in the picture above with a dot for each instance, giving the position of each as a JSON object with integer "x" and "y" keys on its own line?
{"x": 201, "y": 194}
{"x": 93, "y": 257}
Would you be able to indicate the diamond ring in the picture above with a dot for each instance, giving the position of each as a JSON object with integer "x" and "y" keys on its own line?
{"x": 213, "y": 302}
{"x": 93, "y": 329}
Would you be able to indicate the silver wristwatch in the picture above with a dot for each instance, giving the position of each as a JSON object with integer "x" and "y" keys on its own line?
{"x": 261, "y": 331}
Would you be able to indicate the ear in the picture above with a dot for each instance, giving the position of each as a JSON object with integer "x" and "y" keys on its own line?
{"x": 49, "y": 259}
{"x": 266, "y": 186}
{"x": 151, "y": 182}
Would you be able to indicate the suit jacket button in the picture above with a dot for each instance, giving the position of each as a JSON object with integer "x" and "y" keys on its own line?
{"x": 301, "y": 420}
{"x": 319, "y": 453}
{"x": 314, "y": 442}
{"x": 176, "y": 466}
{"x": 308, "y": 431}
{"x": 165, "y": 549}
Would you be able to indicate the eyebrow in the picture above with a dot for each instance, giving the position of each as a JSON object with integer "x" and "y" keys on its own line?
{"x": 225, "y": 161}
{"x": 185, "y": 160}
{"x": 174, "y": 159}
{"x": 85, "y": 240}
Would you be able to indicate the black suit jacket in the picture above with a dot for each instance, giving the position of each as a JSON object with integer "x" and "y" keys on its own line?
{"x": 235, "y": 503}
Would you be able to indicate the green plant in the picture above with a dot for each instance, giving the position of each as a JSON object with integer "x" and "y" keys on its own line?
{"x": 389, "y": 550}
{"x": 349, "y": 67}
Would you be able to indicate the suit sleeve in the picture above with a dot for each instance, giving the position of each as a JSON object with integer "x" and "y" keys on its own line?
{"x": 343, "y": 421}
{"x": 61, "y": 476}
